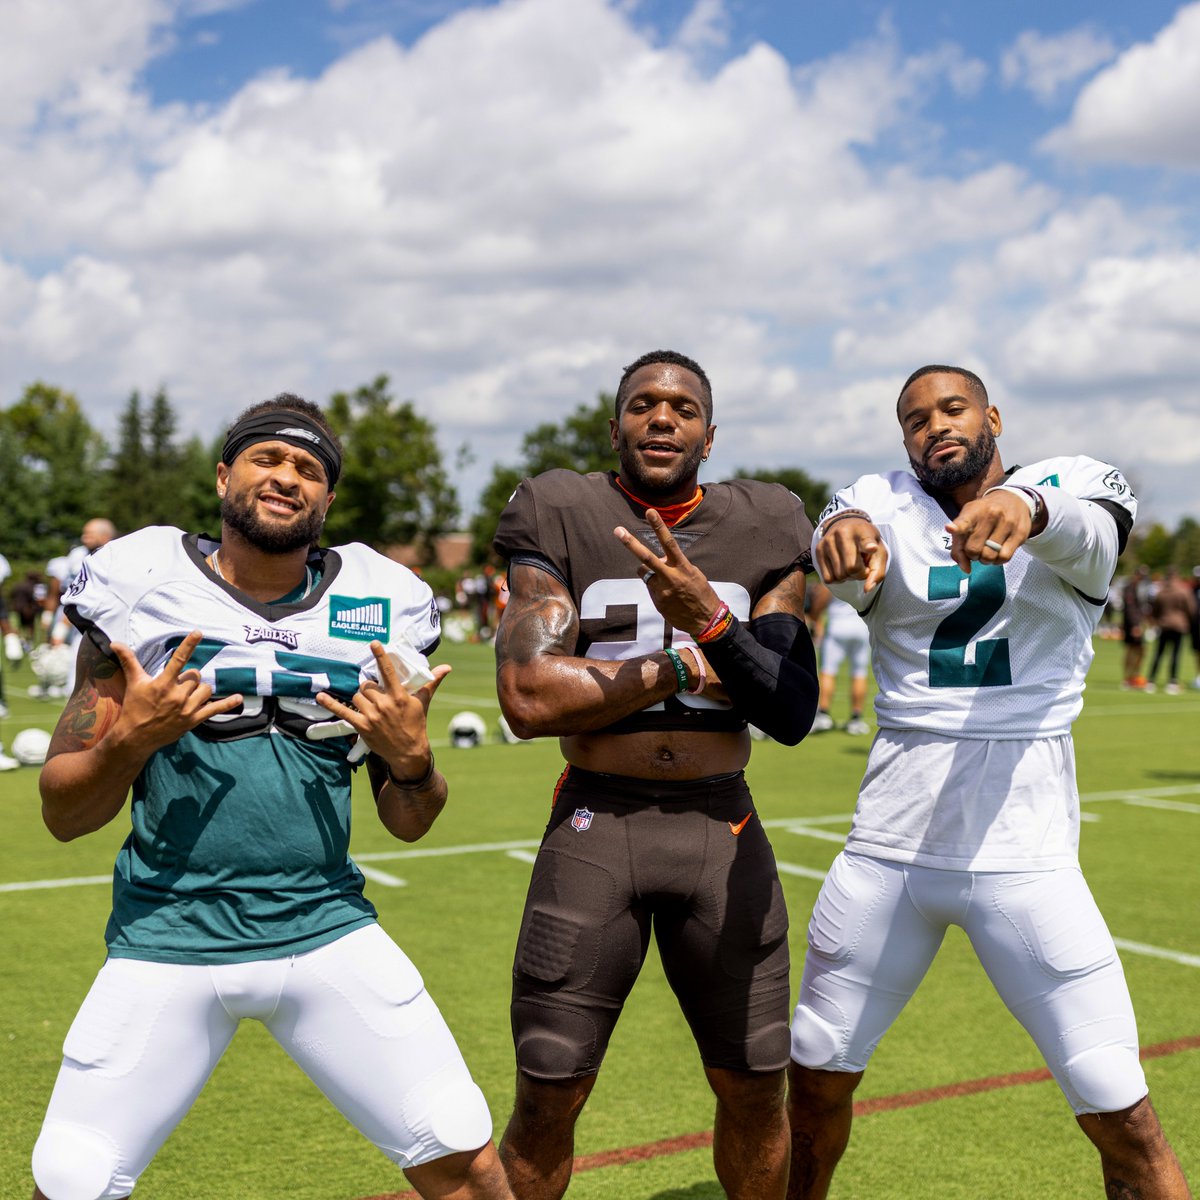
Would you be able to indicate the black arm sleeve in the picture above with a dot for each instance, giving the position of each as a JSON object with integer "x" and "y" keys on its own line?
{"x": 769, "y": 669}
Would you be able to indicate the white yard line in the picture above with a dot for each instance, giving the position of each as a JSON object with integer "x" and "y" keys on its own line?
{"x": 1169, "y": 805}
{"x": 787, "y": 868}
{"x": 822, "y": 835}
{"x": 443, "y": 851}
{"x": 525, "y": 856}
{"x": 1175, "y": 956}
{"x": 1185, "y": 789}
{"x": 1158, "y": 798}
{"x": 32, "y": 885}
{"x": 378, "y": 876}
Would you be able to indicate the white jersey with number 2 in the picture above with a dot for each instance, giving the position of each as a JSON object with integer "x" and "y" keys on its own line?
{"x": 980, "y": 675}
{"x": 1002, "y": 652}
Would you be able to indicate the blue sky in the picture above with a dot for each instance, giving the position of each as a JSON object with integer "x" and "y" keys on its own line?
{"x": 500, "y": 204}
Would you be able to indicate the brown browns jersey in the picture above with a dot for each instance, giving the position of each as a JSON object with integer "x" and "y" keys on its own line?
{"x": 745, "y": 536}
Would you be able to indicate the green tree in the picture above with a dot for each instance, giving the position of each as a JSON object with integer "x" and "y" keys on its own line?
{"x": 1155, "y": 547}
{"x": 127, "y": 468}
{"x": 814, "y": 492}
{"x": 1187, "y": 545}
{"x": 154, "y": 478}
{"x": 394, "y": 489}
{"x": 146, "y": 482}
{"x": 582, "y": 443}
{"x": 49, "y": 468}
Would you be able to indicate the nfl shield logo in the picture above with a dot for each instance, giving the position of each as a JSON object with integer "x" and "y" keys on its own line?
{"x": 582, "y": 818}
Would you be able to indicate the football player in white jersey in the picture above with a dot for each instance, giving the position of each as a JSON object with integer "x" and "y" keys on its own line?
{"x": 229, "y": 686}
{"x": 981, "y": 587}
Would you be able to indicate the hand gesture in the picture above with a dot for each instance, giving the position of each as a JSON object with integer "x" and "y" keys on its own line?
{"x": 157, "y": 710}
{"x": 389, "y": 718}
{"x": 852, "y": 549}
{"x": 989, "y": 529}
{"x": 680, "y": 591}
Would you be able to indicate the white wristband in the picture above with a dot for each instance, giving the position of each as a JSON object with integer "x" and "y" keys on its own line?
{"x": 1030, "y": 497}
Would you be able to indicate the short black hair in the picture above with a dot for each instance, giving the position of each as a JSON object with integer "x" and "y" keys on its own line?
{"x": 974, "y": 383}
{"x": 675, "y": 359}
{"x": 288, "y": 402}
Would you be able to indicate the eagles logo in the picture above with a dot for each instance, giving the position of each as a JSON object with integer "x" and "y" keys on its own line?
{"x": 1115, "y": 482}
{"x": 80, "y": 580}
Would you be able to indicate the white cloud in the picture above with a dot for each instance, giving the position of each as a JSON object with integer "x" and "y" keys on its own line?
{"x": 1046, "y": 64}
{"x": 706, "y": 27}
{"x": 58, "y": 49}
{"x": 1145, "y": 108}
{"x": 504, "y": 213}
{"x": 1130, "y": 319}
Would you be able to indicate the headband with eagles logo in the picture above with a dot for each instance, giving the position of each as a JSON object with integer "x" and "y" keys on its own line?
{"x": 284, "y": 425}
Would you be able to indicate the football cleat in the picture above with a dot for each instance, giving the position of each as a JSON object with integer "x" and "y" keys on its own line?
{"x": 822, "y": 722}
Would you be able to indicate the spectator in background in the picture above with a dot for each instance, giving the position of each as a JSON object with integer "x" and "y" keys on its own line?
{"x": 1173, "y": 611}
{"x": 6, "y": 763}
{"x": 1134, "y": 609}
{"x": 843, "y": 638}
{"x": 1195, "y": 585}
{"x": 28, "y": 600}
{"x": 97, "y": 532}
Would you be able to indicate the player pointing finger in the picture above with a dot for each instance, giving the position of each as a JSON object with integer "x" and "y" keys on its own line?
{"x": 851, "y": 548}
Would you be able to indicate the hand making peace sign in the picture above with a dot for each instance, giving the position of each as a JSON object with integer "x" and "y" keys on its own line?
{"x": 680, "y": 590}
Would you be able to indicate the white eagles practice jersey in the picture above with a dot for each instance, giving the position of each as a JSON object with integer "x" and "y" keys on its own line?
{"x": 998, "y": 654}
{"x": 842, "y": 620}
{"x": 151, "y": 588}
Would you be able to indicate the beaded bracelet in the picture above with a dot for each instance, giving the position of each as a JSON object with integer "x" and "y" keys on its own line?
{"x": 860, "y": 514}
{"x": 717, "y": 626}
{"x": 412, "y": 785}
{"x": 680, "y": 669}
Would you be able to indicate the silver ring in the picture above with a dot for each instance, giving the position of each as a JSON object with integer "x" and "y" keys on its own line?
{"x": 993, "y": 545}
{"x": 649, "y": 575}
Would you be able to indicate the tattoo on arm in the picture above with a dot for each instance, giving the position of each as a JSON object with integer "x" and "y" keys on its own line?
{"x": 94, "y": 705}
{"x": 540, "y": 618}
{"x": 787, "y": 596}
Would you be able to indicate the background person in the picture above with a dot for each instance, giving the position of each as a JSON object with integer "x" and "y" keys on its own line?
{"x": 842, "y": 639}
{"x": 1135, "y": 611}
{"x": 1172, "y": 610}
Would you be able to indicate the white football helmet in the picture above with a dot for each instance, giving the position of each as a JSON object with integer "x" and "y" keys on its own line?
{"x": 29, "y": 747}
{"x": 467, "y": 729}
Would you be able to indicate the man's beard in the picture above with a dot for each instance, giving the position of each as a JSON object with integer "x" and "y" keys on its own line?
{"x": 954, "y": 474}
{"x": 271, "y": 538}
{"x": 632, "y": 469}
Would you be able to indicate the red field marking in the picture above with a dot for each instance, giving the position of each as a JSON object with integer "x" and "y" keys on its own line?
{"x": 862, "y": 1108}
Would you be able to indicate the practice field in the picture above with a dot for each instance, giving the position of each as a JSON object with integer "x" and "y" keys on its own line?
{"x": 954, "y": 1104}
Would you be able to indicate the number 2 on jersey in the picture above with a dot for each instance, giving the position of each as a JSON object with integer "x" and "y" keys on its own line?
{"x": 948, "y": 653}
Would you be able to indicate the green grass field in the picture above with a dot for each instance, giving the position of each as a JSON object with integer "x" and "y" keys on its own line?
{"x": 261, "y": 1131}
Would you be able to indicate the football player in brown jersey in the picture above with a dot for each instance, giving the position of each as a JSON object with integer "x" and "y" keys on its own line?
{"x": 650, "y": 620}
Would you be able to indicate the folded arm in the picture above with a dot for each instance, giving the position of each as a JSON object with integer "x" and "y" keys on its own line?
{"x": 546, "y": 689}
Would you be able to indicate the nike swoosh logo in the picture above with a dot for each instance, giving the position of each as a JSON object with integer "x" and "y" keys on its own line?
{"x": 736, "y": 829}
